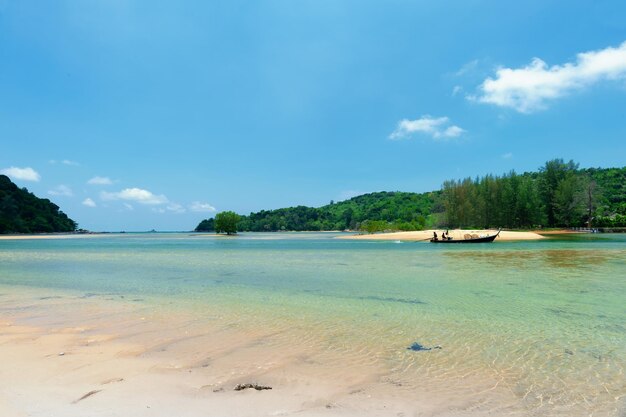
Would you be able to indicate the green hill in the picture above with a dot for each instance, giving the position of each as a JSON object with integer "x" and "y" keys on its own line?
{"x": 379, "y": 211}
{"x": 559, "y": 194}
{"x": 403, "y": 211}
{"x": 22, "y": 212}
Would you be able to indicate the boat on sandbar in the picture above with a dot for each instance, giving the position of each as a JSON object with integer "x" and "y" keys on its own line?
{"x": 467, "y": 238}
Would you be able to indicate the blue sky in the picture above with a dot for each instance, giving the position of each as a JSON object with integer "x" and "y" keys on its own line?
{"x": 149, "y": 114}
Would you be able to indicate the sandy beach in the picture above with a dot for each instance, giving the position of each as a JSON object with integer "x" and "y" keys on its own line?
{"x": 77, "y": 356}
{"x": 505, "y": 236}
{"x": 117, "y": 360}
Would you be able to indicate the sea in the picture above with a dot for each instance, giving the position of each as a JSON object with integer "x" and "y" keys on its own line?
{"x": 528, "y": 328}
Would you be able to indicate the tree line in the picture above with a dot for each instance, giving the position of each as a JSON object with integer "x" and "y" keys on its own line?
{"x": 559, "y": 194}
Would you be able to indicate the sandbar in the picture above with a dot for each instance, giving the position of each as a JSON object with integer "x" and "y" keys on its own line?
{"x": 425, "y": 235}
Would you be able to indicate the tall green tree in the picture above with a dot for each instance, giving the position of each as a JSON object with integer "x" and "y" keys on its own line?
{"x": 528, "y": 205}
{"x": 568, "y": 204}
{"x": 226, "y": 222}
{"x": 551, "y": 175}
{"x": 590, "y": 198}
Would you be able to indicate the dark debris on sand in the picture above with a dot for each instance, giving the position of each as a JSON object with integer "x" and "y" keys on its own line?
{"x": 241, "y": 387}
{"x": 416, "y": 347}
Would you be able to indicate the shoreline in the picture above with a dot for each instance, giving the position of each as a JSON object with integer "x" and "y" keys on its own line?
{"x": 52, "y": 236}
{"x": 409, "y": 236}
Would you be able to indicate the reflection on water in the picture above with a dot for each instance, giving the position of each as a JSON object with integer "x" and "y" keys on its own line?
{"x": 551, "y": 258}
{"x": 529, "y": 328}
{"x": 575, "y": 258}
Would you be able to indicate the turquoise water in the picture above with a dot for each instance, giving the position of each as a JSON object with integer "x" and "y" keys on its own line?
{"x": 533, "y": 328}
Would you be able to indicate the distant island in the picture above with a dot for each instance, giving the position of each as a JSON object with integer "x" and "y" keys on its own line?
{"x": 559, "y": 194}
{"x": 22, "y": 212}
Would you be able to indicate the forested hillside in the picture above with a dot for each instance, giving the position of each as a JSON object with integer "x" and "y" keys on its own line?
{"x": 375, "y": 211}
{"x": 23, "y": 212}
{"x": 403, "y": 211}
{"x": 558, "y": 195}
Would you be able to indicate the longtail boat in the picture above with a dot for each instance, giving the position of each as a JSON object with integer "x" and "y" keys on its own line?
{"x": 468, "y": 238}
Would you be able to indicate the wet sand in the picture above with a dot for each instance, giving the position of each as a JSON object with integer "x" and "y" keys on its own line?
{"x": 145, "y": 364}
{"x": 78, "y": 356}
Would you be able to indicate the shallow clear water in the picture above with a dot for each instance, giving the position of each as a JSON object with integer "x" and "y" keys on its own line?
{"x": 534, "y": 327}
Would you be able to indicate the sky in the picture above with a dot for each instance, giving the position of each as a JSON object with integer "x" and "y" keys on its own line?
{"x": 140, "y": 115}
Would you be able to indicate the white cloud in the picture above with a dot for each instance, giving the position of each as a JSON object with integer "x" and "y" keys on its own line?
{"x": 61, "y": 190}
{"x": 530, "y": 88}
{"x": 129, "y": 207}
{"x": 456, "y": 90}
{"x": 24, "y": 174}
{"x": 89, "y": 202}
{"x": 137, "y": 195}
{"x": 100, "y": 181}
{"x": 175, "y": 207}
{"x": 507, "y": 155}
{"x": 467, "y": 68}
{"x": 171, "y": 207}
{"x": 64, "y": 162}
{"x": 201, "y": 207}
{"x": 453, "y": 132}
{"x": 437, "y": 128}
